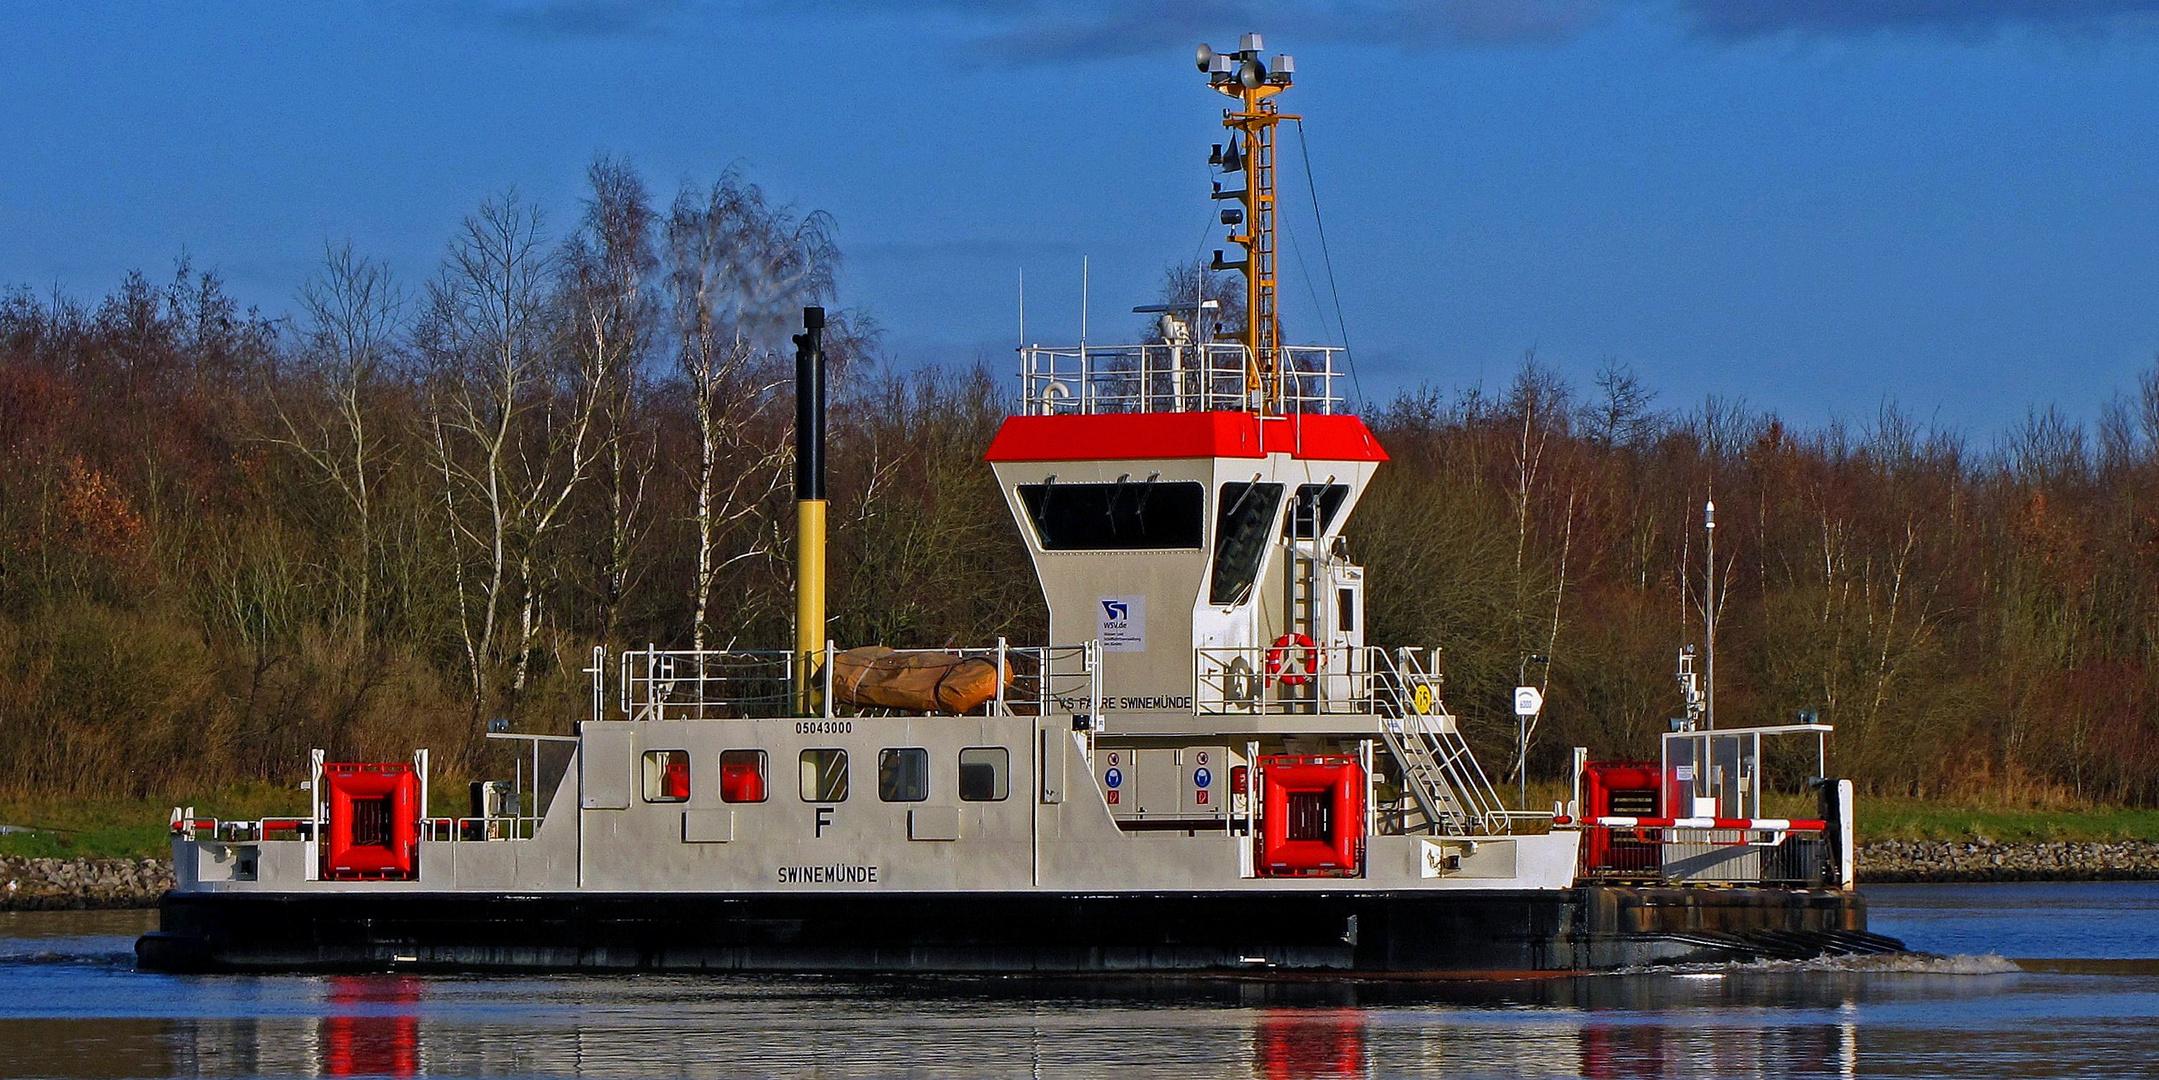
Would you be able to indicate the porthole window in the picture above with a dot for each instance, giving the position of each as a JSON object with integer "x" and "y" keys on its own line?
{"x": 824, "y": 776}
{"x": 742, "y": 776}
{"x": 903, "y": 774}
{"x": 982, "y": 773}
{"x": 667, "y": 775}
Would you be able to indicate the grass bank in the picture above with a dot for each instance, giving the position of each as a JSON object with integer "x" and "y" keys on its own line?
{"x": 1914, "y": 819}
{"x": 126, "y": 828}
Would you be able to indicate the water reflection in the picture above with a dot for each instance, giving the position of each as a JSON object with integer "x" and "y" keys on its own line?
{"x": 1292, "y": 1044}
{"x": 373, "y": 1029}
{"x": 71, "y": 1006}
{"x": 1787, "y": 1025}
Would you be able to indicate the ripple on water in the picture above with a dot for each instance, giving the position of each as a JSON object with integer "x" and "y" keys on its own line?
{"x": 1906, "y": 963}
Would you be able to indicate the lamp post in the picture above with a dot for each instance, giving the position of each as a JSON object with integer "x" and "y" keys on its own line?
{"x": 1710, "y": 604}
{"x": 1528, "y": 702}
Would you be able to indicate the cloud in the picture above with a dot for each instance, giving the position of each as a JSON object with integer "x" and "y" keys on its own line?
{"x": 1120, "y": 28}
{"x": 1737, "y": 20}
{"x": 997, "y": 33}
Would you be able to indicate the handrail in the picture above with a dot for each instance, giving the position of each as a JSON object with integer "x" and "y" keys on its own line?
{"x": 1269, "y": 680}
{"x": 1440, "y": 772}
{"x": 1164, "y": 377}
{"x": 749, "y": 684}
{"x": 1756, "y": 852}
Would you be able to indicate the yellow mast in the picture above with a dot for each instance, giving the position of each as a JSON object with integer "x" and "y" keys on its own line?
{"x": 1248, "y": 78}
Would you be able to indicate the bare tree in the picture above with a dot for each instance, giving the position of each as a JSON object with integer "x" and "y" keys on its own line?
{"x": 608, "y": 265}
{"x": 2147, "y": 404}
{"x": 1621, "y": 414}
{"x": 352, "y": 310}
{"x": 738, "y": 273}
{"x": 1194, "y": 282}
{"x": 515, "y": 426}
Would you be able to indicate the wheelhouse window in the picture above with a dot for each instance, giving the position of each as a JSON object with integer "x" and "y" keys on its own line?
{"x": 824, "y": 776}
{"x": 742, "y": 776}
{"x": 1241, "y": 532}
{"x": 667, "y": 775}
{"x": 1313, "y": 510}
{"x": 983, "y": 772}
{"x": 1122, "y": 516}
{"x": 903, "y": 774}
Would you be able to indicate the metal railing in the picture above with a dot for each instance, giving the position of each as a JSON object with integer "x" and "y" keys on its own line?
{"x": 468, "y": 829}
{"x": 706, "y": 684}
{"x": 1449, "y": 790}
{"x": 683, "y": 684}
{"x": 1670, "y": 855}
{"x": 1322, "y": 680}
{"x": 1212, "y": 377}
{"x": 1445, "y": 790}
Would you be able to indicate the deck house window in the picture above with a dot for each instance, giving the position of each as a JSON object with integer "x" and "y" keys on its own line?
{"x": 824, "y": 776}
{"x": 742, "y": 776}
{"x": 1241, "y": 530}
{"x": 1123, "y": 516}
{"x": 982, "y": 773}
{"x": 667, "y": 775}
{"x": 903, "y": 774}
{"x": 1313, "y": 510}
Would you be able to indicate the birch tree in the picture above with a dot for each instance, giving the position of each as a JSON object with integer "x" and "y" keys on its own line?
{"x": 608, "y": 271}
{"x": 351, "y": 311}
{"x": 739, "y": 271}
{"x": 513, "y": 419}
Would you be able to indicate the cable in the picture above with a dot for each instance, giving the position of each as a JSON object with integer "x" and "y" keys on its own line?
{"x": 1310, "y": 289}
{"x": 1304, "y": 149}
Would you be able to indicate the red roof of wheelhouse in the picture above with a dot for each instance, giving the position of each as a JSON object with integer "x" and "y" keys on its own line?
{"x": 1144, "y": 436}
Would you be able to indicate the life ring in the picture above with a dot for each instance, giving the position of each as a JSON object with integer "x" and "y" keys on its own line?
{"x": 1279, "y": 654}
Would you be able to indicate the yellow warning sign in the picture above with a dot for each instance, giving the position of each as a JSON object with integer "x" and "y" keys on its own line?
{"x": 1421, "y": 700}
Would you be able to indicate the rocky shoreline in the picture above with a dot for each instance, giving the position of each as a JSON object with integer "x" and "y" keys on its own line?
{"x": 77, "y": 884}
{"x": 61, "y": 884}
{"x": 1887, "y": 861}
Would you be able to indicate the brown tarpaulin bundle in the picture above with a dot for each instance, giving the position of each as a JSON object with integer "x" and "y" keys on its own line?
{"x": 933, "y": 682}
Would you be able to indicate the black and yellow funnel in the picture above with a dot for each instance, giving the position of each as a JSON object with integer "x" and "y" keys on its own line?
{"x": 809, "y": 505}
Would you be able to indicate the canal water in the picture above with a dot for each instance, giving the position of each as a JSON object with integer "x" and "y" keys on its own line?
{"x": 2078, "y": 995}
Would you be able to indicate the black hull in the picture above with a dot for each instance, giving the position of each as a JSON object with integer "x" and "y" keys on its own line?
{"x": 1372, "y": 933}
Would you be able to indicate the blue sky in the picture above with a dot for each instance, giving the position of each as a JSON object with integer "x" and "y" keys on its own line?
{"x": 1814, "y": 206}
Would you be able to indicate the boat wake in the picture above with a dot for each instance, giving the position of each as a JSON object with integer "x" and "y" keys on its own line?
{"x": 1902, "y": 963}
{"x": 48, "y": 957}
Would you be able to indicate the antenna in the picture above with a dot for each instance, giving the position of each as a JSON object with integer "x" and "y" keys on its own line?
{"x": 1083, "y": 306}
{"x": 1253, "y": 80}
{"x": 1023, "y": 307}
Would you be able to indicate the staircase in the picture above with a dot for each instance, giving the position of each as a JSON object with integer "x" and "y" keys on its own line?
{"x": 1449, "y": 793}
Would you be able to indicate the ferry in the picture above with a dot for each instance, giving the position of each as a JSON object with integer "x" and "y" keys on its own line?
{"x": 1206, "y": 769}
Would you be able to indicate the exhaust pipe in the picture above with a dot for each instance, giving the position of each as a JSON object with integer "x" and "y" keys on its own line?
{"x": 809, "y": 504}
